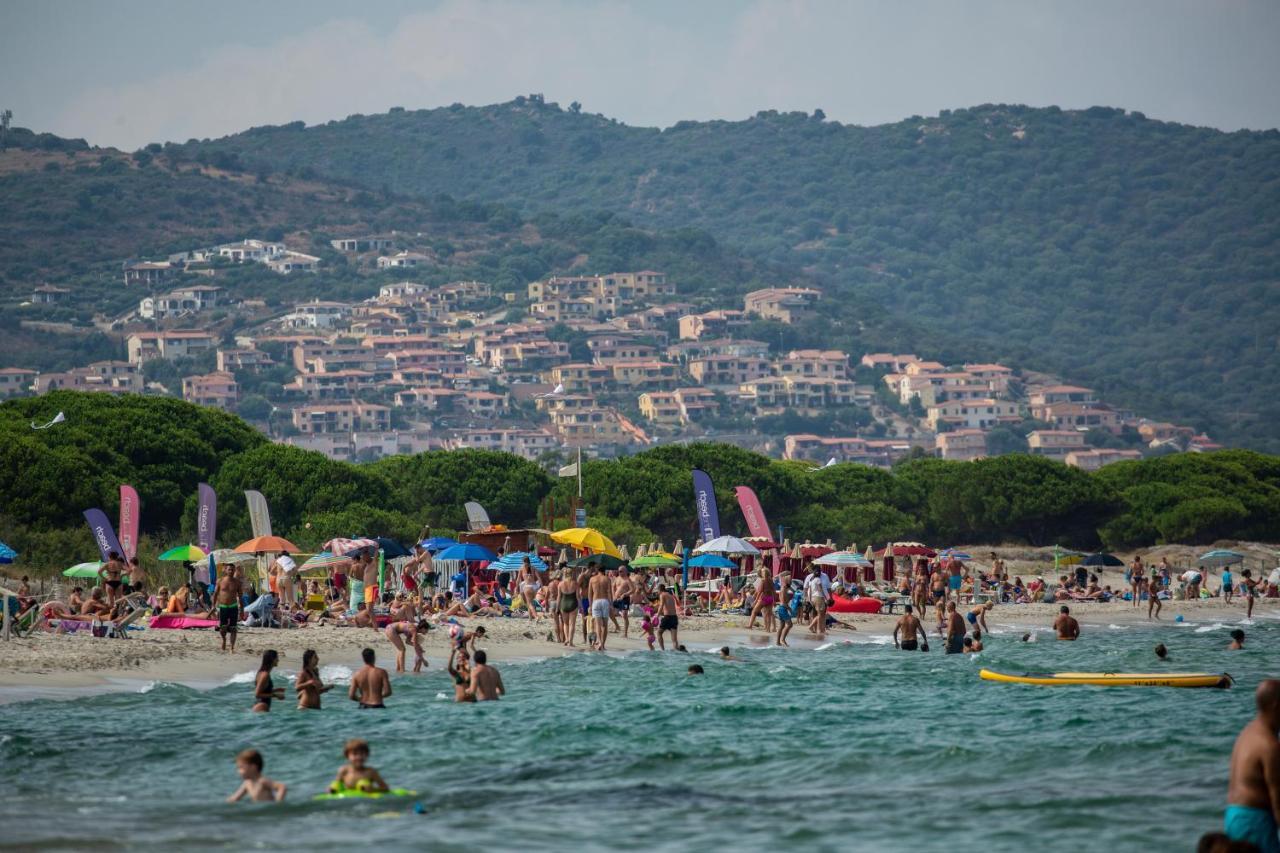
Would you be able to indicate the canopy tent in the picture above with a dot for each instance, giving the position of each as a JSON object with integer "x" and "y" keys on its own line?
{"x": 587, "y": 539}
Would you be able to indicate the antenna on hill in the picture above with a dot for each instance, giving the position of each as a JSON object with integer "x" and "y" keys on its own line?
{"x": 6, "y": 118}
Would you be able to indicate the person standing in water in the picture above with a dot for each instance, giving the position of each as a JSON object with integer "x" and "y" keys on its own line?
{"x": 1250, "y": 591}
{"x": 255, "y": 786}
{"x": 911, "y": 629}
{"x": 486, "y": 683}
{"x": 955, "y": 633}
{"x": 1253, "y": 793}
{"x": 264, "y": 690}
{"x": 308, "y": 685}
{"x": 1065, "y": 625}
{"x": 669, "y": 619}
{"x": 409, "y": 631}
{"x": 226, "y": 599}
{"x": 371, "y": 685}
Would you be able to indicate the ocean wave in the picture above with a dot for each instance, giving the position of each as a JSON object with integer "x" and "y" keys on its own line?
{"x": 1216, "y": 626}
{"x": 243, "y": 678}
{"x": 148, "y": 687}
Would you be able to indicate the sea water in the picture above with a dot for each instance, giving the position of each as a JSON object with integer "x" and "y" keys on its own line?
{"x": 852, "y": 747}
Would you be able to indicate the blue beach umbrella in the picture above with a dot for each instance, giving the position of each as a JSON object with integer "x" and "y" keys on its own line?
{"x": 7, "y": 554}
{"x": 1219, "y": 557}
{"x": 467, "y": 553}
{"x": 712, "y": 561}
{"x": 514, "y": 561}
{"x": 438, "y": 543}
{"x": 953, "y": 554}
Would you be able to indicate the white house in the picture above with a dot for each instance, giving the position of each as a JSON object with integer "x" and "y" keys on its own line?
{"x": 401, "y": 260}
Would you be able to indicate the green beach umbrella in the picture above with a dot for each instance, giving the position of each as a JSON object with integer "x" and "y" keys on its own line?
{"x": 84, "y": 570}
{"x": 656, "y": 561}
{"x": 184, "y": 553}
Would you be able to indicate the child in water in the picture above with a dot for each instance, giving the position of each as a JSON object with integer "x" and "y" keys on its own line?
{"x": 255, "y": 786}
{"x": 355, "y": 775}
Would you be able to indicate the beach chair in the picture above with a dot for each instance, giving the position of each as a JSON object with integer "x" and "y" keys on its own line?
{"x": 119, "y": 628}
{"x": 314, "y": 603}
{"x": 23, "y": 625}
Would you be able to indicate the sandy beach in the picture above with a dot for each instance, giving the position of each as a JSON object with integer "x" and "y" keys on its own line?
{"x": 52, "y": 666}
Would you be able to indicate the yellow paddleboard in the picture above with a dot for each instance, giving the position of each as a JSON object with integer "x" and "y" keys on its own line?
{"x": 1114, "y": 679}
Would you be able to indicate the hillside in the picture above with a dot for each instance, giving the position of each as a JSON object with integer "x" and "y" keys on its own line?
{"x": 1140, "y": 257}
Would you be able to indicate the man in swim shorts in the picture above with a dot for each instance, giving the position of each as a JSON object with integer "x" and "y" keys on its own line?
{"x": 911, "y": 629}
{"x": 1065, "y": 625}
{"x": 668, "y": 609}
{"x": 977, "y": 616}
{"x": 1253, "y": 793}
{"x": 370, "y": 685}
{"x": 599, "y": 590}
{"x": 954, "y": 579}
{"x": 622, "y": 589}
{"x": 226, "y": 598}
{"x": 955, "y": 631}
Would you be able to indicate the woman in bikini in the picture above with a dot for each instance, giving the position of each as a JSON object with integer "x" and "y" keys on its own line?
{"x": 461, "y": 673}
{"x": 1137, "y": 580}
{"x": 409, "y": 631}
{"x": 264, "y": 690}
{"x": 308, "y": 685}
{"x": 529, "y": 586}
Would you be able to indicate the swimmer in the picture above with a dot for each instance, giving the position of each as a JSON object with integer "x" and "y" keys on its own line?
{"x": 1237, "y": 641}
{"x": 695, "y": 669}
{"x": 1161, "y": 651}
{"x": 968, "y": 645}
{"x": 912, "y": 630}
{"x": 977, "y": 640}
{"x": 1029, "y": 637}
{"x": 1065, "y": 625}
{"x": 1253, "y": 793}
{"x": 255, "y": 786}
{"x": 371, "y": 685}
{"x": 264, "y": 691}
{"x": 486, "y": 684}
{"x": 461, "y": 676}
{"x": 356, "y": 775}
{"x": 308, "y": 685}
{"x": 725, "y": 654}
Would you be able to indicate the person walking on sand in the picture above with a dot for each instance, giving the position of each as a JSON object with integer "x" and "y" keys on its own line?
{"x": 371, "y": 685}
{"x": 529, "y": 584}
{"x": 1066, "y": 627}
{"x": 1154, "y": 604}
{"x": 598, "y": 590}
{"x": 486, "y": 682}
{"x": 623, "y": 587}
{"x": 226, "y": 600}
{"x": 668, "y": 618}
{"x": 1250, "y": 591}
{"x": 568, "y": 606}
{"x": 1137, "y": 579}
{"x": 1227, "y": 581}
{"x": 911, "y": 630}
{"x": 1253, "y": 792}
{"x": 308, "y": 685}
{"x": 264, "y": 690}
{"x": 816, "y": 589}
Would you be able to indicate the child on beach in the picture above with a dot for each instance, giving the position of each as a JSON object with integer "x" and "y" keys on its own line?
{"x": 255, "y": 786}
{"x": 786, "y": 621}
{"x": 355, "y": 775}
{"x": 647, "y": 628}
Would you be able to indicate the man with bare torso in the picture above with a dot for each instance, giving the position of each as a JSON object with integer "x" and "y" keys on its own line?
{"x": 370, "y": 581}
{"x": 599, "y": 590}
{"x": 669, "y": 619}
{"x": 1066, "y": 625}
{"x": 486, "y": 683}
{"x": 911, "y": 629}
{"x": 1253, "y": 794}
{"x": 226, "y": 600}
{"x": 954, "y": 631}
{"x": 623, "y": 587}
{"x": 370, "y": 685}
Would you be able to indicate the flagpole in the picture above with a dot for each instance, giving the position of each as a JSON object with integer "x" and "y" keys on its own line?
{"x": 579, "y": 473}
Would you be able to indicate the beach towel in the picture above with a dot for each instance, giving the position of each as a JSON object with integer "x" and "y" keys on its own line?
{"x": 173, "y": 621}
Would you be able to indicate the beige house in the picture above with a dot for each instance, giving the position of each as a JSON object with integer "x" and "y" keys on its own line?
{"x": 962, "y": 445}
{"x": 217, "y": 389}
{"x": 972, "y": 414}
{"x": 16, "y": 382}
{"x": 784, "y": 304}
{"x": 727, "y": 370}
{"x": 1092, "y": 460}
{"x": 341, "y": 417}
{"x": 179, "y": 343}
{"x": 1055, "y": 443}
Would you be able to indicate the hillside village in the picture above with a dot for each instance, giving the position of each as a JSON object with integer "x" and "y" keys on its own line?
{"x": 609, "y": 363}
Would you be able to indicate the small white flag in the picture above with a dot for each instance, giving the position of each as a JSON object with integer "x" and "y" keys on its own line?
{"x": 569, "y": 470}
{"x": 59, "y": 418}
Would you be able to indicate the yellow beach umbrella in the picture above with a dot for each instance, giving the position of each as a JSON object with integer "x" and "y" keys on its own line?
{"x": 587, "y": 539}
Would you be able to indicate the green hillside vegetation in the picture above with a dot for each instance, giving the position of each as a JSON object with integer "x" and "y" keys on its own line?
{"x": 1136, "y": 256}
{"x": 165, "y": 447}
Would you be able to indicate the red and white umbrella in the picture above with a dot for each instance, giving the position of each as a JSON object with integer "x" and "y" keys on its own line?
{"x": 343, "y": 547}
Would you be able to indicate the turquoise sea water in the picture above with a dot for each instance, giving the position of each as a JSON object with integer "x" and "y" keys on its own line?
{"x": 851, "y": 747}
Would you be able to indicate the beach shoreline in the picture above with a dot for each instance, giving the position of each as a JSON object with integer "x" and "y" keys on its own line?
{"x": 48, "y": 666}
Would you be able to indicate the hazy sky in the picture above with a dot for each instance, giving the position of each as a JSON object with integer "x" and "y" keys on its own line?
{"x": 128, "y": 72}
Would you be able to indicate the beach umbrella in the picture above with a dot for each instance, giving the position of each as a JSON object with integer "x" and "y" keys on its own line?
{"x": 587, "y": 539}
{"x": 1067, "y": 557}
{"x": 391, "y": 548}
{"x": 84, "y": 570}
{"x": 711, "y": 561}
{"x": 438, "y": 543}
{"x": 624, "y": 554}
{"x": 727, "y": 545}
{"x": 342, "y": 547}
{"x": 1101, "y": 560}
{"x": 263, "y": 544}
{"x": 1220, "y": 557}
{"x": 907, "y": 549}
{"x": 7, "y": 554}
{"x": 656, "y": 561}
{"x": 514, "y": 561}
{"x": 324, "y": 560}
{"x": 183, "y": 554}
{"x": 841, "y": 559}
{"x": 953, "y": 554}
{"x": 222, "y": 556}
{"x": 467, "y": 553}
{"x": 604, "y": 561}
